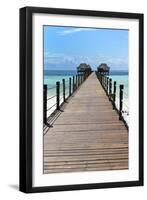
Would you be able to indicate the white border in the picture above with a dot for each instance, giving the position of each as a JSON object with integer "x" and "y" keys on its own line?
{"x": 39, "y": 179}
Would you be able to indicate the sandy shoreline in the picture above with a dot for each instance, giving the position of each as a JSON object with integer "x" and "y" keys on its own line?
{"x": 52, "y": 102}
{"x": 125, "y": 112}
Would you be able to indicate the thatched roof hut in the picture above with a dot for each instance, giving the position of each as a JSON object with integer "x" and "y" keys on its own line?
{"x": 83, "y": 67}
{"x": 103, "y": 68}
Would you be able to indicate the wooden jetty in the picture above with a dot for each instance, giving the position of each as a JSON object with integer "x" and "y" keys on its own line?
{"x": 86, "y": 134}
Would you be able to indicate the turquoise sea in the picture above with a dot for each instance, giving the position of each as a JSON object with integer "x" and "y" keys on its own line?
{"x": 121, "y": 78}
{"x": 52, "y": 76}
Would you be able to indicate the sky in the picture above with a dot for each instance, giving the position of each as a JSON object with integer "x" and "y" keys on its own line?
{"x": 66, "y": 47}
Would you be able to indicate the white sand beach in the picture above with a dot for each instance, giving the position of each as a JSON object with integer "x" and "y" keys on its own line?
{"x": 125, "y": 111}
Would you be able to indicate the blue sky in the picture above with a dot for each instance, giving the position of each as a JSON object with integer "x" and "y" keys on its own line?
{"x": 66, "y": 47}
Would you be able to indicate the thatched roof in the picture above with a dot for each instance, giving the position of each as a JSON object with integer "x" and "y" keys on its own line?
{"x": 103, "y": 67}
{"x": 83, "y": 67}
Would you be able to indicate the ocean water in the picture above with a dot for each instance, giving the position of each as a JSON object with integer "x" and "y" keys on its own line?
{"x": 52, "y": 76}
{"x": 122, "y": 78}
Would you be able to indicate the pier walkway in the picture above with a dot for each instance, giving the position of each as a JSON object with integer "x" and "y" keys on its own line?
{"x": 86, "y": 134}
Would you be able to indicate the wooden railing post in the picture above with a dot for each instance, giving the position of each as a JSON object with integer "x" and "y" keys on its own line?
{"x": 70, "y": 86}
{"x": 84, "y": 75}
{"x": 76, "y": 81}
{"x": 63, "y": 82}
{"x": 80, "y": 79}
{"x": 73, "y": 84}
{"x": 58, "y": 95}
{"x": 101, "y": 78}
{"x": 107, "y": 84}
{"x": 103, "y": 81}
{"x": 110, "y": 88}
{"x": 121, "y": 87}
{"x": 114, "y": 94}
{"x": 45, "y": 104}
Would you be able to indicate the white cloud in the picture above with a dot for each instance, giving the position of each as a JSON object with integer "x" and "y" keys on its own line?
{"x": 51, "y": 59}
{"x": 73, "y": 30}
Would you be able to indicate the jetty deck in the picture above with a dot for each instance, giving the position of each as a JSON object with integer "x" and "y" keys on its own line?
{"x": 86, "y": 135}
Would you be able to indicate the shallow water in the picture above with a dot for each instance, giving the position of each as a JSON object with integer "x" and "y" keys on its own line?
{"x": 50, "y": 78}
{"x": 122, "y": 80}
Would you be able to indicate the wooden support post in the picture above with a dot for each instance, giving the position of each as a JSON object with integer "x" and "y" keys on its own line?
{"x": 84, "y": 76}
{"x": 73, "y": 84}
{"x": 76, "y": 81}
{"x": 110, "y": 88}
{"x": 58, "y": 95}
{"x": 100, "y": 78}
{"x": 107, "y": 85}
{"x": 79, "y": 79}
{"x": 121, "y": 87}
{"x": 45, "y": 104}
{"x": 104, "y": 82}
{"x": 70, "y": 86}
{"x": 63, "y": 82}
{"x": 114, "y": 94}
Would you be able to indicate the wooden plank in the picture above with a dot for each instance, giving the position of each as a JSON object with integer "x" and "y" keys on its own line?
{"x": 87, "y": 134}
